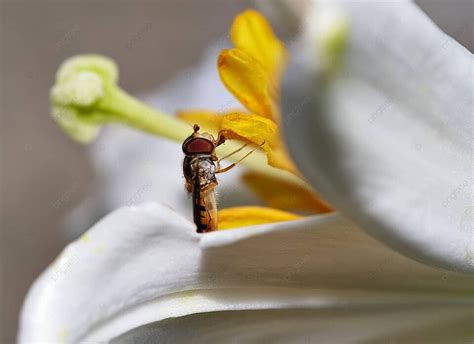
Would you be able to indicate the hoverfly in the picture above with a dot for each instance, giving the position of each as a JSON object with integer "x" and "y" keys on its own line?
{"x": 200, "y": 166}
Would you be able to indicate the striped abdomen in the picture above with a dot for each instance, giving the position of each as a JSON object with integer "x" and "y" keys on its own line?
{"x": 205, "y": 209}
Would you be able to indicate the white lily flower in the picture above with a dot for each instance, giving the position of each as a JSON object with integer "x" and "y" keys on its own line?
{"x": 388, "y": 139}
{"x": 142, "y": 273}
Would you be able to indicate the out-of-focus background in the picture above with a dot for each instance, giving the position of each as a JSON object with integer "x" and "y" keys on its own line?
{"x": 43, "y": 173}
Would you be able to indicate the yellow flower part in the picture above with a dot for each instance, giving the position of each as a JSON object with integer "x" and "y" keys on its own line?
{"x": 249, "y": 82}
{"x": 285, "y": 195}
{"x": 249, "y": 216}
{"x": 259, "y": 131}
{"x": 245, "y": 127}
{"x": 205, "y": 118}
{"x": 251, "y": 33}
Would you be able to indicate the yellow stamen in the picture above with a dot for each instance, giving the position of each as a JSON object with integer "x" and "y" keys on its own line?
{"x": 248, "y": 216}
{"x": 257, "y": 130}
{"x": 249, "y": 82}
{"x": 206, "y": 119}
{"x": 283, "y": 195}
{"x": 251, "y": 33}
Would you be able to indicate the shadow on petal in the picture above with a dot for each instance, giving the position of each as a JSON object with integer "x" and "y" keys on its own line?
{"x": 403, "y": 324}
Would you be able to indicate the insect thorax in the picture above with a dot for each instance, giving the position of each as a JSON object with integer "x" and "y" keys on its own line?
{"x": 199, "y": 166}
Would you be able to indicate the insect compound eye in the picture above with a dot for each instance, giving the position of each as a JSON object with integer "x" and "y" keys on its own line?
{"x": 198, "y": 146}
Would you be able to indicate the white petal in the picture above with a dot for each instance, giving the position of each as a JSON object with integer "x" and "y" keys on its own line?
{"x": 145, "y": 264}
{"x": 389, "y": 141}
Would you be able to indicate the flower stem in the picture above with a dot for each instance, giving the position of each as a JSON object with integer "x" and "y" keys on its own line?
{"x": 131, "y": 112}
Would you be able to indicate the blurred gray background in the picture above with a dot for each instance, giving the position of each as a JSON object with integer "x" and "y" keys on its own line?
{"x": 43, "y": 173}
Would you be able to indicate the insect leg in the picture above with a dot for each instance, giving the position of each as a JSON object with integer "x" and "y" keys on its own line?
{"x": 225, "y": 169}
{"x": 236, "y": 151}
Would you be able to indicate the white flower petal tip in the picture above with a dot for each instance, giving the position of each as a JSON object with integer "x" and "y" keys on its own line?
{"x": 388, "y": 141}
{"x": 145, "y": 265}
